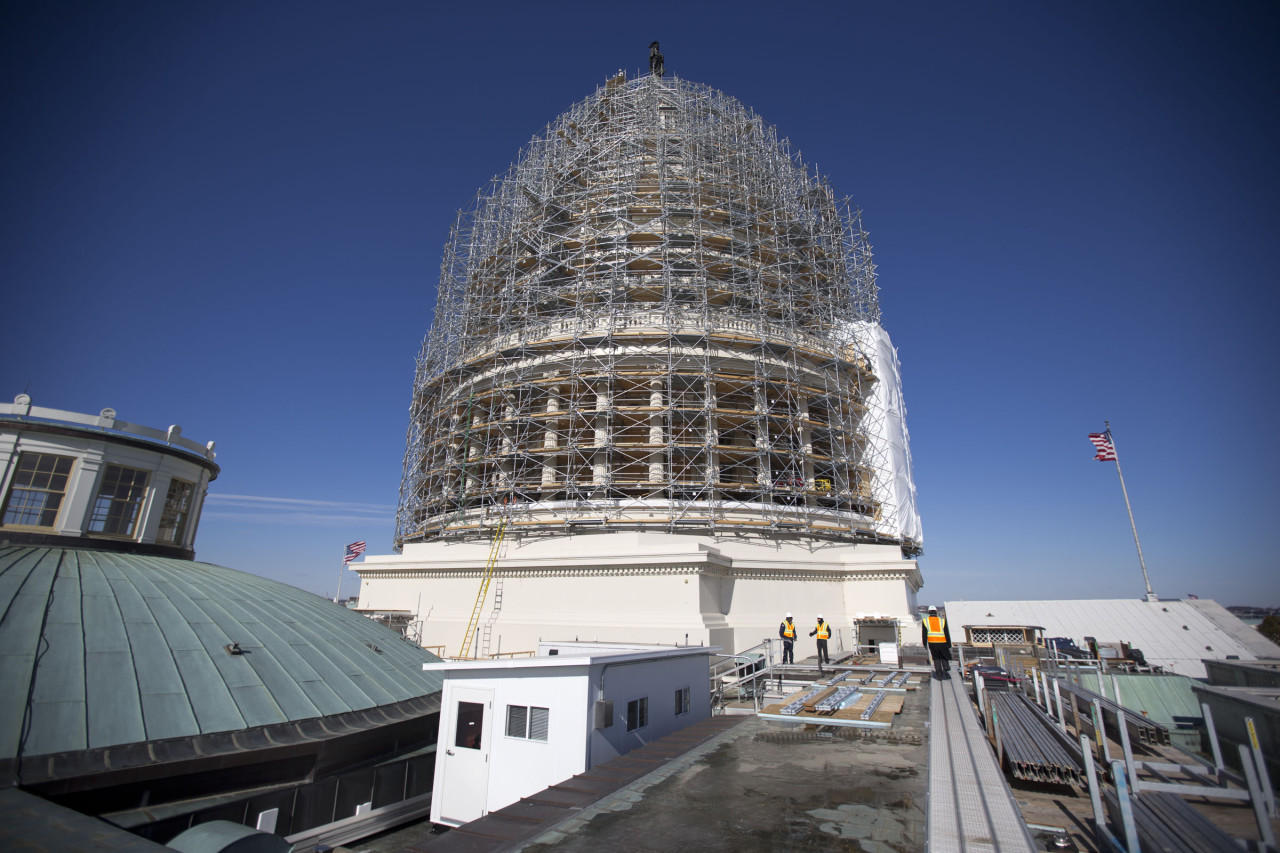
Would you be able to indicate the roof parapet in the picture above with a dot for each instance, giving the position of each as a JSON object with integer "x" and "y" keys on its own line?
{"x": 21, "y": 407}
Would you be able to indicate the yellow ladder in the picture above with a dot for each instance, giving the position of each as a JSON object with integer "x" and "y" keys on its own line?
{"x": 484, "y": 588}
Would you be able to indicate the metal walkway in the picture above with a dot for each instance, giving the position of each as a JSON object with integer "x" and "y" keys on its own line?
{"x": 971, "y": 809}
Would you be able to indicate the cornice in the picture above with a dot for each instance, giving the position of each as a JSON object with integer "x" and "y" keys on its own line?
{"x": 793, "y": 573}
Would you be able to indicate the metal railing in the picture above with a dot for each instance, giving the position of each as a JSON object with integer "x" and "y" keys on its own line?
{"x": 741, "y": 675}
{"x": 1144, "y": 728}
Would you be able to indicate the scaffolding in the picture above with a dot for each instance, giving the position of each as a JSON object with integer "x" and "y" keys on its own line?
{"x": 651, "y": 321}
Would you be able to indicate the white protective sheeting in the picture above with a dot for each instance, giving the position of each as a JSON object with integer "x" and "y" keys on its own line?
{"x": 887, "y": 429}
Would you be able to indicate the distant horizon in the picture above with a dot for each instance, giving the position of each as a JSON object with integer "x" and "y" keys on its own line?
{"x": 232, "y": 218}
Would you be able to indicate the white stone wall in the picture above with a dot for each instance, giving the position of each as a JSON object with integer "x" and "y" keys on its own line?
{"x": 639, "y": 587}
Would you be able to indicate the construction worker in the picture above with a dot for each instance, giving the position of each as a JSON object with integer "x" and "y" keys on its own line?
{"x": 787, "y": 631}
{"x": 936, "y": 637}
{"x": 823, "y": 633}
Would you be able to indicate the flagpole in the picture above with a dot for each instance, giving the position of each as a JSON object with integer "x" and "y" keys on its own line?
{"x": 1151, "y": 596}
{"x": 337, "y": 596}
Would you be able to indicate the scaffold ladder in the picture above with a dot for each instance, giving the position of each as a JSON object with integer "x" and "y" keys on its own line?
{"x": 484, "y": 588}
{"x": 486, "y": 633}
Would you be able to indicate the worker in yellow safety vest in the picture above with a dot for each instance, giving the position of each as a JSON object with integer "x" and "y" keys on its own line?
{"x": 787, "y": 631}
{"x": 936, "y": 637}
{"x": 823, "y": 633}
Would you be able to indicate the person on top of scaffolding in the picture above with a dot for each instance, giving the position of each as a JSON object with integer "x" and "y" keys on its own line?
{"x": 787, "y": 631}
{"x": 936, "y": 637}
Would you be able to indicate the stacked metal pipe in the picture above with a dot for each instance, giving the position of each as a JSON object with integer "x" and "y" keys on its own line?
{"x": 1033, "y": 746}
{"x": 1168, "y": 823}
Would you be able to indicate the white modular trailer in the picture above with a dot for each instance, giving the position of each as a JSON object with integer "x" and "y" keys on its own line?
{"x": 510, "y": 728}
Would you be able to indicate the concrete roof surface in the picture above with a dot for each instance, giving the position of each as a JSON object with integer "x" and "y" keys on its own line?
{"x": 100, "y": 649}
{"x": 35, "y": 825}
{"x": 756, "y": 788}
{"x": 1174, "y": 634}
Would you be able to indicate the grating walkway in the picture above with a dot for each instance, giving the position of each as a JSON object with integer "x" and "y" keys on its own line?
{"x": 971, "y": 809}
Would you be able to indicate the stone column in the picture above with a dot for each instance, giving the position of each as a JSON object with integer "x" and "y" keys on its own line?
{"x": 549, "y": 439}
{"x": 657, "y": 460}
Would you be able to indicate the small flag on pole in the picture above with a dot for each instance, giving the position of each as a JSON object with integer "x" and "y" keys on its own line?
{"x": 355, "y": 549}
{"x": 1106, "y": 450}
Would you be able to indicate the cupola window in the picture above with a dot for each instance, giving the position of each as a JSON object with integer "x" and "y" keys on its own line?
{"x": 119, "y": 502}
{"x": 39, "y": 485}
{"x": 177, "y": 509}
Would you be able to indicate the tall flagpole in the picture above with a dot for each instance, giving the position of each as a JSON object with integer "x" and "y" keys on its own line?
{"x": 337, "y": 596}
{"x": 1151, "y": 596}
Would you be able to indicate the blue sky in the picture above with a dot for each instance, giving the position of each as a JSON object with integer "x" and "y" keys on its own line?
{"x": 230, "y": 217}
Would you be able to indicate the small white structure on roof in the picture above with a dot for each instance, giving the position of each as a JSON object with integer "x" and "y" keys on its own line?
{"x": 510, "y": 728}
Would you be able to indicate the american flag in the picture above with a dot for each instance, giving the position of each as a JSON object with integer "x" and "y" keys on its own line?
{"x": 1106, "y": 450}
{"x": 355, "y": 549}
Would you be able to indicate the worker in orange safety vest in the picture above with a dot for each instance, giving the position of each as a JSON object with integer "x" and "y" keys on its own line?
{"x": 787, "y": 631}
{"x": 823, "y": 633}
{"x": 936, "y": 637}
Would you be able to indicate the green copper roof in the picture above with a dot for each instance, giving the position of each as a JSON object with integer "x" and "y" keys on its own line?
{"x": 99, "y": 649}
{"x": 1167, "y": 699}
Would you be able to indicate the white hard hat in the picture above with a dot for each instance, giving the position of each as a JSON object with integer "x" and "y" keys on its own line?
{"x": 933, "y": 608}
{"x": 819, "y": 617}
{"x": 788, "y": 615}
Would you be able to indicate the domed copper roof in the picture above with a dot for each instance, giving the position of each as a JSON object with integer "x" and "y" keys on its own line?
{"x": 100, "y": 649}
